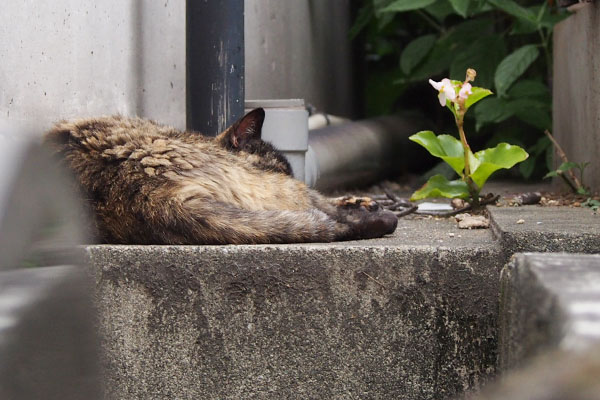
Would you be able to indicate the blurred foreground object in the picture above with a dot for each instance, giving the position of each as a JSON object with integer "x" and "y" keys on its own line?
{"x": 48, "y": 344}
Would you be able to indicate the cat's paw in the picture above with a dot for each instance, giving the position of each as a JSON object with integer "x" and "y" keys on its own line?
{"x": 357, "y": 202}
{"x": 376, "y": 224}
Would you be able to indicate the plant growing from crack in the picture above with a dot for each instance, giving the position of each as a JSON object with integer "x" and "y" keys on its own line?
{"x": 474, "y": 169}
{"x": 566, "y": 170}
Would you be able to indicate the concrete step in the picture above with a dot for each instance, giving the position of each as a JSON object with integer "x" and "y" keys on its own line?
{"x": 549, "y": 328}
{"x": 412, "y": 316}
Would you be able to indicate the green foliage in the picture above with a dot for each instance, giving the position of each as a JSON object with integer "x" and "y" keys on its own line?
{"x": 508, "y": 42}
{"x": 439, "y": 186}
{"x": 415, "y": 52}
{"x": 483, "y": 164}
{"x": 513, "y": 66}
{"x": 577, "y": 185}
{"x": 592, "y": 203}
{"x": 478, "y": 94}
{"x": 473, "y": 169}
{"x": 445, "y": 147}
{"x": 490, "y": 160}
{"x": 406, "y": 5}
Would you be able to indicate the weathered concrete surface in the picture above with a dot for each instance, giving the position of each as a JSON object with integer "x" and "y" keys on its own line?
{"x": 550, "y": 327}
{"x": 546, "y": 229}
{"x": 73, "y": 59}
{"x": 48, "y": 343}
{"x": 66, "y": 59}
{"x": 49, "y": 347}
{"x": 548, "y": 301}
{"x": 350, "y": 321}
{"x": 576, "y": 88}
{"x": 413, "y": 315}
{"x": 301, "y": 49}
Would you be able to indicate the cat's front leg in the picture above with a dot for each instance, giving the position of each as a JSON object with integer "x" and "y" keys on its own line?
{"x": 363, "y": 217}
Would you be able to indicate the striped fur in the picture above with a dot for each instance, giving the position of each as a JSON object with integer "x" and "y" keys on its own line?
{"x": 151, "y": 184}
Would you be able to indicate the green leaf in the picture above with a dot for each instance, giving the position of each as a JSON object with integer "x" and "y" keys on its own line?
{"x": 483, "y": 55}
{"x": 540, "y": 146}
{"x": 591, "y": 203}
{"x": 529, "y": 88}
{"x": 461, "y": 7}
{"x": 478, "y": 94}
{"x": 564, "y": 167}
{"x": 439, "y": 186}
{"x": 379, "y": 5}
{"x": 445, "y": 49}
{"x": 513, "y": 66}
{"x": 532, "y": 112}
{"x": 503, "y": 155}
{"x": 466, "y": 33}
{"x": 480, "y": 7}
{"x": 415, "y": 52}
{"x": 492, "y": 110}
{"x": 527, "y": 167}
{"x": 536, "y": 151}
{"x": 406, "y": 5}
{"x": 439, "y": 10}
{"x": 524, "y": 26}
{"x": 549, "y": 19}
{"x": 365, "y": 14}
{"x": 446, "y": 147}
{"x": 437, "y": 61}
{"x": 384, "y": 20}
{"x": 517, "y": 11}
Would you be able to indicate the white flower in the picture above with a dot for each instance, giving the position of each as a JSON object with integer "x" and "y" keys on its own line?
{"x": 465, "y": 91}
{"x": 446, "y": 90}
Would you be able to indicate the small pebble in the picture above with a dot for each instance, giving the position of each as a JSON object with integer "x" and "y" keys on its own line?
{"x": 451, "y": 234}
{"x": 539, "y": 222}
{"x": 521, "y": 221}
{"x": 458, "y": 203}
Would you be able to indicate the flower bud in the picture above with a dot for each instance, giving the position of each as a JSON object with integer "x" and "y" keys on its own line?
{"x": 471, "y": 74}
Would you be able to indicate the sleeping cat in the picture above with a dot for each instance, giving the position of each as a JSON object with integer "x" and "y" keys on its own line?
{"x": 151, "y": 184}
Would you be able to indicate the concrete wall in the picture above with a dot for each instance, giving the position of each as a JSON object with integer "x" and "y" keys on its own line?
{"x": 68, "y": 58}
{"x": 317, "y": 321}
{"x": 300, "y": 49}
{"x": 577, "y": 88}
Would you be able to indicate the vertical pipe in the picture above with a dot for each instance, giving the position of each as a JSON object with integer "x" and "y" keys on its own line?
{"x": 214, "y": 64}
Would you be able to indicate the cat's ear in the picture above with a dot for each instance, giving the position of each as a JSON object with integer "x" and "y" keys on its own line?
{"x": 244, "y": 130}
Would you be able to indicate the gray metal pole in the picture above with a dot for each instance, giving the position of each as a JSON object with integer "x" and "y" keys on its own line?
{"x": 215, "y": 64}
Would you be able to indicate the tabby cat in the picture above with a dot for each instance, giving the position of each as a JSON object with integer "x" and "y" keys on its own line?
{"x": 151, "y": 184}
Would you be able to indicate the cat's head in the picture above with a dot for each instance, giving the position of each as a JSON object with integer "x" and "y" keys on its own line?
{"x": 243, "y": 137}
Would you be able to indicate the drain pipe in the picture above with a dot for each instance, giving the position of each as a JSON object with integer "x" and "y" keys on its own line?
{"x": 344, "y": 154}
{"x": 214, "y": 64}
{"x": 362, "y": 152}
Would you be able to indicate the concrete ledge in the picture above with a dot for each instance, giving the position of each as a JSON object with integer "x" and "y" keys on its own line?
{"x": 546, "y": 229}
{"x": 297, "y": 321}
{"x": 412, "y": 316}
{"x": 548, "y": 301}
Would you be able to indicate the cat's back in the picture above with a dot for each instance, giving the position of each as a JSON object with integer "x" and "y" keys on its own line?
{"x": 118, "y": 141}
{"x": 101, "y": 133}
